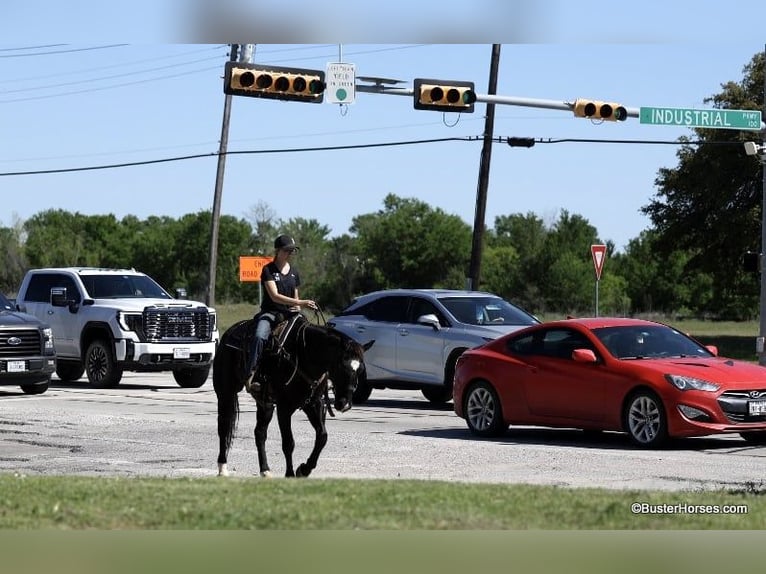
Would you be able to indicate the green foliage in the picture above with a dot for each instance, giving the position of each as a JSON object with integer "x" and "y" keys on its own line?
{"x": 12, "y": 259}
{"x": 709, "y": 206}
{"x": 410, "y": 244}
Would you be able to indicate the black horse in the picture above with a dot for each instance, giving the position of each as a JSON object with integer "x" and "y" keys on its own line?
{"x": 294, "y": 374}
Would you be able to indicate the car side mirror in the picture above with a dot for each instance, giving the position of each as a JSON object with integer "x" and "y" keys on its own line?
{"x": 430, "y": 319}
{"x": 58, "y": 297}
{"x": 713, "y": 349}
{"x": 584, "y": 356}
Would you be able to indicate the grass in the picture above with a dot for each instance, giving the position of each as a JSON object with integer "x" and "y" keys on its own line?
{"x": 82, "y": 503}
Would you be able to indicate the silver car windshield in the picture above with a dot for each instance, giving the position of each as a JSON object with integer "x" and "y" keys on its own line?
{"x": 486, "y": 311}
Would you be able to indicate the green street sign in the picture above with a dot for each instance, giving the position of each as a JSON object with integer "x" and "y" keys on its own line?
{"x": 695, "y": 118}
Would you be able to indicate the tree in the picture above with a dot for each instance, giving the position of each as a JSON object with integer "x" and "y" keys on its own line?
{"x": 12, "y": 260}
{"x": 526, "y": 235}
{"x": 410, "y": 244}
{"x": 566, "y": 267}
{"x": 710, "y": 204}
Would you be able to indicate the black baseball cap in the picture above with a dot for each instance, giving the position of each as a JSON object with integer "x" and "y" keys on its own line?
{"x": 285, "y": 242}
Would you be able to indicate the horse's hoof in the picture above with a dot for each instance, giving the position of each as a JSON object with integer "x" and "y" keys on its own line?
{"x": 265, "y": 474}
{"x": 302, "y": 471}
{"x": 223, "y": 470}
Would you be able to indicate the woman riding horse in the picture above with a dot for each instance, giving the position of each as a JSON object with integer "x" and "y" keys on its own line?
{"x": 298, "y": 375}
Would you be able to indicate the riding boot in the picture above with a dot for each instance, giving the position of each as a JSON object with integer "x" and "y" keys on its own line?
{"x": 252, "y": 385}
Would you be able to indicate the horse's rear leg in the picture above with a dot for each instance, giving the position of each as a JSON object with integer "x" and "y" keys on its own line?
{"x": 316, "y": 414}
{"x": 228, "y": 412}
{"x": 264, "y": 414}
{"x": 284, "y": 417}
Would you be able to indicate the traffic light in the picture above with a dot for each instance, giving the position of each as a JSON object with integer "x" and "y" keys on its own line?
{"x": 751, "y": 262}
{"x": 600, "y": 110}
{"x": 259, "y": 81}
{"x": 444, "y": 95}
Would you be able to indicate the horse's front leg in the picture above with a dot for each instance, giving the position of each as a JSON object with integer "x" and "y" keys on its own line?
{"x": 263, "y": 415}
{"x": 284, "y": 417}
{"x": 316, "y": 413}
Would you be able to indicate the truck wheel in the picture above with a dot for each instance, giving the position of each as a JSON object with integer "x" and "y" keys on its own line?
{"x": 35, "y": 389}
{"x": 69, "y": 372}
{"x": 100, "y": 366}
{"x": 191, "y": 378}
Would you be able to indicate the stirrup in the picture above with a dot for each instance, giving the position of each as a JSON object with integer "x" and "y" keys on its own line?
{"x": 251, "y": 385}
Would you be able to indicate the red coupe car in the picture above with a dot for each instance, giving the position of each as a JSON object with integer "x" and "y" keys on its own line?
{"x": 640, "y": 377}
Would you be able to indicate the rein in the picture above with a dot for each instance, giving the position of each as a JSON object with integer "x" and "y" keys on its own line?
{"x": 300, "y": 336}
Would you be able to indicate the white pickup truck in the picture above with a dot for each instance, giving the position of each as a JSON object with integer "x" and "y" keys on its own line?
{"x": 106, "y": 321}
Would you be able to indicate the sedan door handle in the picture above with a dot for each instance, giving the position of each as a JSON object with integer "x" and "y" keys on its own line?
{"x": 404, "y": 332}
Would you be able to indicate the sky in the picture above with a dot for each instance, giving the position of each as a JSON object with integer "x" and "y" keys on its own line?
{"x": 96, "y": 85}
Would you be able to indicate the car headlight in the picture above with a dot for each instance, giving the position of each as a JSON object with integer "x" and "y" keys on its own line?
{"x": 48, "y": 337}
{"x": 684, "y": 383}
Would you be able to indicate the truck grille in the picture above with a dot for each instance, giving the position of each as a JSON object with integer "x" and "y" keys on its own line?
{"x": 30, "y": 343}
{"x": 184, "y": 324}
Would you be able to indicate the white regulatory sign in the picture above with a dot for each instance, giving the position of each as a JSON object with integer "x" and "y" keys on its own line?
{"x": 341, "y": 83}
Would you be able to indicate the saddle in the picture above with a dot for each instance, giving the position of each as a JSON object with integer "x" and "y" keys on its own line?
{"x": 275, "y": 346}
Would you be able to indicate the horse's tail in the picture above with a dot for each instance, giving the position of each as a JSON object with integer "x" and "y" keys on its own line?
{"x": 227, "y": 385}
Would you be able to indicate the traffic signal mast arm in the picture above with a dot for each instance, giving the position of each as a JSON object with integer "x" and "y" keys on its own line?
{"x": 568, "y": 106}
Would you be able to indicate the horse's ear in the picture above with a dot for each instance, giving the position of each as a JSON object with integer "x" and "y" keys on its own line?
{"x": 367, "y": 345}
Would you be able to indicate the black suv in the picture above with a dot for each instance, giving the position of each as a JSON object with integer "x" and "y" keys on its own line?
{"x": 27, "y": 356}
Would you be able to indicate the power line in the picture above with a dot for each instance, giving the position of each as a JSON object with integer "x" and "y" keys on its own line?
{"x": 31, "y": 47}
{"x": 64, "y": 51}
{"x": 111, "y": 66}
{"x": 155, "y": 79}
{"x": 355, "y": 146}
{"x": 112, "y": 77}
{"x": 242, "y": 152}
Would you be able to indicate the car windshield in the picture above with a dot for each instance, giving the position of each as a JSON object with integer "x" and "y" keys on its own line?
{"x": 113, "y": 286}
{"x": 649, "y": 341}
{"x": 485, "y": 310}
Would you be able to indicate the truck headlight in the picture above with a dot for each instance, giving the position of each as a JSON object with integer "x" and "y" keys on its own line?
{"x": 130, "y": 321}
{"x": 48, "y": 338}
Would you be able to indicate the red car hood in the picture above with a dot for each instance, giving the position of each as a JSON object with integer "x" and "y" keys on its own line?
{"x": 733, "y": 374}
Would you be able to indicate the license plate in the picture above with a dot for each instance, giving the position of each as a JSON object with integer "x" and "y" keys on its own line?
{"x": 181, "y": 353}
{"x": 17, "y": 366}
{"x": 757, "y": 407}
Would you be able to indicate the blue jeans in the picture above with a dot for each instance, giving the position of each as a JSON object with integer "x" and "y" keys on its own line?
{"x": 262, "y": 334}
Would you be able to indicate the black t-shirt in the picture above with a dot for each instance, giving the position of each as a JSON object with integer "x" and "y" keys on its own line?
{"x": 286, "y": 285}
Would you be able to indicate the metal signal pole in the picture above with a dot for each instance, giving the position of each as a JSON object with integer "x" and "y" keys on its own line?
{"x": 481, "y": 192}
{"x": 216, "y": 215}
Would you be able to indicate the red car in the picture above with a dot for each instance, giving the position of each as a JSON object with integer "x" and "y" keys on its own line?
{"x": 643, "y": 378}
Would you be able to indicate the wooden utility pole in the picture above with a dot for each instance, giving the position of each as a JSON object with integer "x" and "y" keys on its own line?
{"x": 481, "y": 192}
{"x": 216, "y": 215}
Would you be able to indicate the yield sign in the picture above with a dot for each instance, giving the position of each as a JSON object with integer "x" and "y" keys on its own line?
{"x": 599, "y": 254}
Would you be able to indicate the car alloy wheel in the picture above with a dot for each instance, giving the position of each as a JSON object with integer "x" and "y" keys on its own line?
{"x": 645, "y": 419}
{"x": 483, "y": 412}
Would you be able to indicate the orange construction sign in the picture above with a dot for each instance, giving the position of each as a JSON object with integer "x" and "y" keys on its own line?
{"x": 250, "y": 267}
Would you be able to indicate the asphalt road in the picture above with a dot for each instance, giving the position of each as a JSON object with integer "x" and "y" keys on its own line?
{"x": 148, "y": 426}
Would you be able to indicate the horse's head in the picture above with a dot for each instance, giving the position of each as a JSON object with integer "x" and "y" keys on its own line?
{"x": 346, "y": 373}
